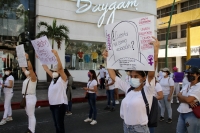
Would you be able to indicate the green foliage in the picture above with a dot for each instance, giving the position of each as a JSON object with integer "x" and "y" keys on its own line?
{"x": 54, "y": 32}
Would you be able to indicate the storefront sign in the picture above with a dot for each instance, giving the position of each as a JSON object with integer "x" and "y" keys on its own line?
{"x": 128, "y": 44}
{"x": 21, "y": 58}
{"x": 43, "y": 50}
{"x": 105, "y": 8}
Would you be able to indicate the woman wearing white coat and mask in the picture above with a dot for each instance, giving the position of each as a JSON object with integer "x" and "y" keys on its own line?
{"x": 8, "y": 83}
{"x": 133, "y": 109}
{"x": 30, "y": 83}
{"x": 57, "y": 93}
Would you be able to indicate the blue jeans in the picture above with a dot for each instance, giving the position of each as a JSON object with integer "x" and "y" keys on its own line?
{"x": 92, "y": 102}
{"x": 165, "y": 103}
{"x": 151, "y": 129}
{"x": 58, "y": 113}
{"x": 188, "y": 122}
{"x": 69, "y": 106}
{"x": 110, "y": 96}
{"x": 135, "y": 128}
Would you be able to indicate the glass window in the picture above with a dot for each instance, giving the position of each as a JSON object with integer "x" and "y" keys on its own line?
{"x": 166, "y": 11}
{"x": 171, "y": 63}
{"x": 80, "y": 55}
{"x": 172, "y": 34}
{"x": 17, "y": 26}
{"x": 190, "y": 5}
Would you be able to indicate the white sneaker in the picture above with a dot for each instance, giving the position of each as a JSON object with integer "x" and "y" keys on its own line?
{"x": 9, "y": 119}
{"x": 93, "y": 122}
{"x": 88, "y": 120}
{"x": 2, "y": 122}
{"x": 177, "y": 101}
{"x": 116, "y": 102}
{"x": 171, "y": 101}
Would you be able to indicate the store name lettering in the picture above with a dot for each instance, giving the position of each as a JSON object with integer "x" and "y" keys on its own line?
{"x": 105, "y": 8}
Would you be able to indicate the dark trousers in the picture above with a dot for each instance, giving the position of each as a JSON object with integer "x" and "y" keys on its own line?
{"x": 92, "y": 102}
{"x": 58, "y": 113}
{"x": 102, "y": 83}
{"x": 69, "y": 106}
{"x": 110, "y": 97}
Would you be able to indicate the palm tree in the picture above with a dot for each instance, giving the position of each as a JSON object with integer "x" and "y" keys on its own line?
{"x": 54, "y": 32}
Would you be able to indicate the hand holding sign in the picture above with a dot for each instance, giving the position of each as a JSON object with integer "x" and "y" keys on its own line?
{"x": 21, "y": 58}
{"x": 43, "y": 50}
{"x": 128, "y": 44}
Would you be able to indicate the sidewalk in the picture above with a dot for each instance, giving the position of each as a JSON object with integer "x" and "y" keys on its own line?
{"x": 42, "y": 97}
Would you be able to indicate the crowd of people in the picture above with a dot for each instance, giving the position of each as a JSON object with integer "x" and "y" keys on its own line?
{"x": 141, "y": 88}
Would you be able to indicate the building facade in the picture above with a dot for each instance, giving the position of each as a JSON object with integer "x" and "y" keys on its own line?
{"x": 185, "y": 11}
{"x": 86, "y": 20}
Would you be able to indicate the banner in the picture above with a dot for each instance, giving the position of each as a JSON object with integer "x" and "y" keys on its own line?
{"x": 128, "y": 44}
{"x": 43, "y": 50}
{"x": 21, "y": 58}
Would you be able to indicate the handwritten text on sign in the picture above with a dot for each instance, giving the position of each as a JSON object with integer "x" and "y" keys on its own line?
{"x": 43, "y": 50}
{"x": 21, "y": 58}
{"x": 128, "y": 44}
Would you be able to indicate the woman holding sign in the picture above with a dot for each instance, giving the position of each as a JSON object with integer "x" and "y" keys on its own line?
{"x": 133, "y": 109}
{"x": 29, "y": 89}
{"x": 57, "y": 93}
{"x": 8, "y": 83}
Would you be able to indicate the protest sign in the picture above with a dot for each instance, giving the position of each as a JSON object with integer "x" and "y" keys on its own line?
{"x": 128, "y": 44}
{"x": 21, "y": 58}
{"x": 43, "y": 50}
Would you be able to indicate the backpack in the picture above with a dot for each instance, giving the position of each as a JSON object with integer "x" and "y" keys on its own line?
{"x": 153, "y": 113}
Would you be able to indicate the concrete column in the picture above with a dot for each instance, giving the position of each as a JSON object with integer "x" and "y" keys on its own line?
{"x": 178, "y": 31}
{"x": 178, "y": 8}
{"x": 179, "y": 63}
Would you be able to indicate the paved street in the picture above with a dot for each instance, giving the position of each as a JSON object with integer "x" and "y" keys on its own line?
{"x": 108, "y": 122}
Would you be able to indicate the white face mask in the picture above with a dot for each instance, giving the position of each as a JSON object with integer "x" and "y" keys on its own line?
{"x": 7, "y": 72}
{"x": 164, "y": 73}
{"x": 27, "y": 73}
{"x": 135, "y": 82}
{"x": 55, "y": 75}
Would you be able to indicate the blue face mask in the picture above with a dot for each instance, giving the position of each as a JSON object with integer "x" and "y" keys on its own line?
{"x": 135, "y": 82}
{"x": 89, "y": 75}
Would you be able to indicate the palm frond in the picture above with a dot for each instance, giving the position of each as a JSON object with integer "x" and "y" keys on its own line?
{"x": 42, "y": 33}
{"x": 45, "y": 24}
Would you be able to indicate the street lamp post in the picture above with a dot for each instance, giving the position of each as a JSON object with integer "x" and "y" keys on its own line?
{"x": 167, "y": 36}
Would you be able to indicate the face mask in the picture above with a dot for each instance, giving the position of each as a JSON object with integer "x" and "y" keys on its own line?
{"x": 27, "y": 72}
{"x": 164, "y": 74}
{"x": 7, "y": 73}
{"x": 55, "y": 75}
{"x": 135, "y": 82}
{"x": 89, "y": 75}
{"x": 191, "y": 78}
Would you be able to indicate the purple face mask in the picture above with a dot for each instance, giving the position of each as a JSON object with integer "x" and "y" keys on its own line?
{"x": 89, "y": 75}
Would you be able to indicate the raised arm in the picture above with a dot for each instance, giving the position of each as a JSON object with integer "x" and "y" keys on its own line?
{"x": 60, "y": 69}
{"x": 30, "y": 69}
{"x": 156, "y": 44}
{"x": 45, "y": 67}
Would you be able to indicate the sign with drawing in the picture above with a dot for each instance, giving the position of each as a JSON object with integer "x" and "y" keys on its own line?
{"x": 128, "y": 44}
{"x": 21, "y": 58}
{"x": 43, "y": 50}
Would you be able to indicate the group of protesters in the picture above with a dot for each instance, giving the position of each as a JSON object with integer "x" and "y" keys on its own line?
{"x": 141, "y": 88}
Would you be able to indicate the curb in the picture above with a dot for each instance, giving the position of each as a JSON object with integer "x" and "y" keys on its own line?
{"x": 45, "y": 103}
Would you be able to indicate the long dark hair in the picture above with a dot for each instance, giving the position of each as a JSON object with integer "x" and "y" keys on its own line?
{"x": 5, "y": 76}
{"x": 67, "y": 73}
{"x": 94, "y": 76}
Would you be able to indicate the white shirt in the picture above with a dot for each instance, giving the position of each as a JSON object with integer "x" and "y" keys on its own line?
{"x": 165, "y": 84}
{"x": 31, "y": 90}
{"x": 111, "y": 87}
{"x": 158, "y": 88}
{"x": 189, "y": 91}
{"x": 160, "y": 76}
{"x": 185, "y": 81}
{"x": 57, "y": 92}
{"x": 102, "y": 71}
{"x": 133, "y": 109}
{"x": 91, "y": 85}
{"x": 8, "y": 90}
{"x": 128, "y": 78}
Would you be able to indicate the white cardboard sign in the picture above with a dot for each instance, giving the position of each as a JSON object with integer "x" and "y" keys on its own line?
{"x": 21, "y": 58}
{"x": 43, "y": 50}
{"x": 128, "y": 44}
